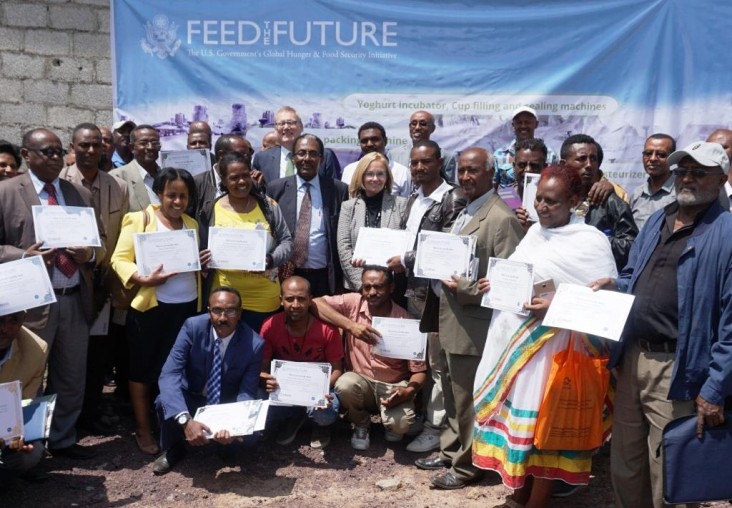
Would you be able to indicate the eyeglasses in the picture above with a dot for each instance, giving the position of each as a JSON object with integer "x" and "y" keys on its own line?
{"x": 220, "y": 311}
{"x": 421, "y": 123}
{"x": 307, "y": 153}
{"x": 49, "y": 152}
{"x": 694, "y": 172}
{"x": 649, "y": 153}
{"x": 288, "y": 123}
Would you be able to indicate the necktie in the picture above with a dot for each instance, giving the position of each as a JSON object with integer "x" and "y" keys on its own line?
{"x": 290, "y": 167}
{"x": 61, "y": 260}
{"x": 214, "y": 377}
{"x": 302, "y": 230}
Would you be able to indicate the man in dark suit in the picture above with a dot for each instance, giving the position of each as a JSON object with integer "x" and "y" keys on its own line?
{"x": 277, "y": 162}
{"x": 64, "y": 325}
{"x": 310, "y": 204}
{"x": 186, "y": 381}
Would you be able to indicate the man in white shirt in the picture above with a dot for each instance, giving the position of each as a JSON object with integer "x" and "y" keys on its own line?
{"x": 372, "y": 138}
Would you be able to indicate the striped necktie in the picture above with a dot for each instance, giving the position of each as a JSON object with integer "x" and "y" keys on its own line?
{"x": 214, "y": 377}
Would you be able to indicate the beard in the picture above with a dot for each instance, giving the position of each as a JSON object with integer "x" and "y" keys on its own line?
{"x": 689, "y": 197}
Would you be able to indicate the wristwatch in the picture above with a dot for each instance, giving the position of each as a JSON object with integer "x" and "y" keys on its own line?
{"x": 183, "y": 419}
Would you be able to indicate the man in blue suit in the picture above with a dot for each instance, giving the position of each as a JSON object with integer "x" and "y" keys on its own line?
{"x": 187, "y": 381}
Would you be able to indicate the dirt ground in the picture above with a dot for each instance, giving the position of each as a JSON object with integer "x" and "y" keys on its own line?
{"x": 268, "y": 475}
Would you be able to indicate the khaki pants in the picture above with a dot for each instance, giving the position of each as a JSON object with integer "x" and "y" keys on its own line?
{"x": 642, "y": 410}
{"x": 359, "y": 396}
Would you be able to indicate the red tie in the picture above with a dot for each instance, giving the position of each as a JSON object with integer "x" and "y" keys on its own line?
{"x": 62, "y": 260}
{"x": 302, "y": 230}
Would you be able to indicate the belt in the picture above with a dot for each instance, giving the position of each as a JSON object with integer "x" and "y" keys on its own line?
{"x": 69, "y": 290}
{"x": 311, "y": 270}
{"x": 667, "y": 346}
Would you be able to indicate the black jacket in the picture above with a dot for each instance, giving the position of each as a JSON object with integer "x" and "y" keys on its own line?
{"x": 615, "y": 219}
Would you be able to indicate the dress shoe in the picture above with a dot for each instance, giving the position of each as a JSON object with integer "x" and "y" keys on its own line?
{"x": 432, "y": 463}
{"x": 74, "y": 451}
{"x": 448, "y": 481}
{"x": 168, "y": 459}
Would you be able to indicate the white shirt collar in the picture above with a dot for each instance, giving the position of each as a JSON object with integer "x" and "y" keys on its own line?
{"x": 314, "y": 183}
{"x": 38, "y": 184}
{"x": 437, "y": 193}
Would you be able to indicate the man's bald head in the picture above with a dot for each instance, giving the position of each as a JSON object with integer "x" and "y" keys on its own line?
{"x": 296, "y": 298}
{"x": 199, "y": 135}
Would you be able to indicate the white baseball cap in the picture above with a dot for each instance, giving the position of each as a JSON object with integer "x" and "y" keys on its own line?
{"x": 525, "y": 109}
{"x": 706, "y": 154}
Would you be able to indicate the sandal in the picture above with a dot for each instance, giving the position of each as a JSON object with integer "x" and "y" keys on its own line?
{"x": 149, "y": 448}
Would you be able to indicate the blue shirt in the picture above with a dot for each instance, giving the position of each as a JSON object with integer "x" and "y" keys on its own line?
{"x": 504, "y": 175}
{"x": 318, "y": 242}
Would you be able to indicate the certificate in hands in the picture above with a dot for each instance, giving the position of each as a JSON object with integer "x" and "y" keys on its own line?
{"x": 239, "y": 418}
{"x": 511, "y": 285}
{"x": 11, "y": 411}
{"x": 194, "y": 161}
{"x": 442, "y": 255}
{"x": 601, "y": 313}
{"x": 377, "y": 245}
{"x": 400, "y": 338}
{"x": 300, "y": 383}
{"x": 24, "y": 284}
{"x": 176, "y": 250}
{"x": 238, "y": 248}
{"x": 531, "y": 184}
{"x": 65, "y": 226}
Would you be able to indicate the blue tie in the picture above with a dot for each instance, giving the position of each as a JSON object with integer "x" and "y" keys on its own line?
{"x": 214, "y": 377}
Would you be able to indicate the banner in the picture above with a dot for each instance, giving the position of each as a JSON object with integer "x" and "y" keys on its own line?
{"x": 618, "y": 70}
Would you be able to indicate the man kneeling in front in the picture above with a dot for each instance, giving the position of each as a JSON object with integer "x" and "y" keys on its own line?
{"x": 215, "y": 360}
{"x": 374, "y": 383}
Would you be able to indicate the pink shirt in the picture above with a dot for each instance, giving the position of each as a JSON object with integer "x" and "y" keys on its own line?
{"x": 359, "y": 357}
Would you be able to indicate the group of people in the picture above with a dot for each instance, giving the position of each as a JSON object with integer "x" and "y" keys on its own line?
{"x": 179, "y": 341}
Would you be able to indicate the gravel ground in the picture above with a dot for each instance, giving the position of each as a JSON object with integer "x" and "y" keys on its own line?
{"x": 268, "y": 475}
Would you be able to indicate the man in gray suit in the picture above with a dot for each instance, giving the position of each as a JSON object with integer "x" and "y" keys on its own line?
{"x": 140, "y": 173}
{"x": 64, "y": 325}
{"x": 463, "y": 323}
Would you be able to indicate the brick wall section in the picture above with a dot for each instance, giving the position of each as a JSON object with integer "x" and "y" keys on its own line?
{"x": 55, "y": 69}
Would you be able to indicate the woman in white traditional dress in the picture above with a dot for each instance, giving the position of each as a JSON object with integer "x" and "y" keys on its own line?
{"x": 512, "y": 376}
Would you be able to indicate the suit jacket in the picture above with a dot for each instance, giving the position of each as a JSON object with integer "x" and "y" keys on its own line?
{"x": 268, "y": 162}
{"x": 463, "y": 323}
{"x": 187, "y": 368}
{"x": 334, "y": 192}
{"x": 17, "y": 233}
{"x": 139, "y": 199}
{"x": 352, "y": 219}
{"x": 27, "y": 362}
{"x": 205, "y": 194}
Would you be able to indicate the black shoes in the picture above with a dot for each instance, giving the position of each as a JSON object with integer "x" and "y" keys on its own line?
{"x": 432, "y": 463}
{"x": 448, "y": 481}
{"x": 168, "y": 459}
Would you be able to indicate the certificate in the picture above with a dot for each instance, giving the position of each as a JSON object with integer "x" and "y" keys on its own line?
{"x": 400, "y": 338}
{"x": 300, "y": 383}
{"x": 601, "y": 313}
{"x": 531, "y": 184}
{"x": 11, "y": 411}
{"x": 65, "y": 226}
{"x": 377, "y": 245}
{"x": 194, "y": 161}
{"x": 442, "y": 255}
{"x": 176, "y": 250}
{"x": 239, "y": 418}
{"x": 511, "y": 285}
{"x": 24, "y": 284}
{"x": 238, "y": 248}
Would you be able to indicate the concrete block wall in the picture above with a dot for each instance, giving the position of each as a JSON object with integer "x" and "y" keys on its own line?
{"x": 55, "y": 68}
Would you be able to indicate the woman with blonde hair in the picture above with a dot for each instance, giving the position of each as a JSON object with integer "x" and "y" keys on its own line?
{"x": 372, "y": 205}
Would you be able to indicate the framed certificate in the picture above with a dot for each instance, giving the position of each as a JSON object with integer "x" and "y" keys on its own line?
{"x": 377, "y": 245}
{"x": 300, "y": 383}
{"x": 531, "y": 184}
{"x": 194, "y": 161}
{"x": 238, "y": 248}
{"x": 24, "y": 284}
{"x": 65, "y": 226}
{"x": 512, "y": 284}
{"x": 400, "y": 338}
{"x": 176, "y": 251}
{"x": 11, "y": 411}
{"x": 442, "y": 255}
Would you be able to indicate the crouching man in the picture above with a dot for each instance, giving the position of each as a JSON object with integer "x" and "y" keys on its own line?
{"x": 215, "y": 360}
{"x": 372, "y": 383}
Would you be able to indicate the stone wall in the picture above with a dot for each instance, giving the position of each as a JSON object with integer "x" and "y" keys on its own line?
{"x": 55, "y": 67}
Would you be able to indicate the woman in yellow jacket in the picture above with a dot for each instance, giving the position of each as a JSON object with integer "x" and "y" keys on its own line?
{"x": 164, "y": 300}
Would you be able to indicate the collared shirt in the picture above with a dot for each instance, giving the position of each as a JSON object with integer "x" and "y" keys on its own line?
{"x": 117, "y": 161}
{"x": 504, "y": 175}
{"x": 217, "y": 181}
{"x": 467, "y": 213}
{"x": 655, "y": 313}
{"x": 359, "y": 356}
{"x": 284, "y": 157}
{"x": 94, "y": 187}
{"x": 318, "y": 242}
{"x": 643, "y": 203}
{"x": 422, "y": 203}
{"x": 147, "y": 180}
{"x": 58, "y": 279}
{"x": 728, "y": 191}
{"x": 401, "y": 177}
{"x": 222, "y": 348}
